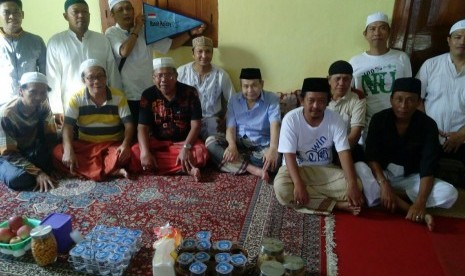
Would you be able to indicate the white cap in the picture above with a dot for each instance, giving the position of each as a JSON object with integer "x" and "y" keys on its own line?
{"x": 459, "y": 25}
{"x": 377, "y": 16}
{"x": 31, "y": 77}
{"x": 90, "y": 63}
{"x": 163, "y": 63}
{"x": 112, "y": 3}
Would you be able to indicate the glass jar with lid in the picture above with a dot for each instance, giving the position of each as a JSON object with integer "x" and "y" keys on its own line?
{"x": 294, "y": 266}
{"x": 43, "y": 245}
{"x": 272, "y": 250}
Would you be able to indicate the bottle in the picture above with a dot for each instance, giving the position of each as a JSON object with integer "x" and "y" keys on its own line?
{"x": 43, "y": 245}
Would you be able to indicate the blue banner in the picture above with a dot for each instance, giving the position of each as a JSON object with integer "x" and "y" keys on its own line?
{"x": 161, "y": 23}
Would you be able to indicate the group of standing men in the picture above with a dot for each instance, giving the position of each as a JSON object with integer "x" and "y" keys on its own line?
{"x": 175, "y": 110}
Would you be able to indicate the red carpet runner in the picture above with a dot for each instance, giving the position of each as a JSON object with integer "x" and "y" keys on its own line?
{"x": 380, "y": 243}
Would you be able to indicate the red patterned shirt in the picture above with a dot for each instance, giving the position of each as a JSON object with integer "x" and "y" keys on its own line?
{"x": 170, "y": 120}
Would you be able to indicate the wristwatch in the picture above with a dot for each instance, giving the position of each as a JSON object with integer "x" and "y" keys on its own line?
{"x": 187, "y": 146}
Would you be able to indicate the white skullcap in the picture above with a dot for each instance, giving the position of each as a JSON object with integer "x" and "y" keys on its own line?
{"x": 377, "y": 16}
{"x": 90, "y": 63}
{"x": 163, "y": 63}
{"x": 112, "y": 3}
{"x": 30, "y": 77}
{"x": 459, "y": 25}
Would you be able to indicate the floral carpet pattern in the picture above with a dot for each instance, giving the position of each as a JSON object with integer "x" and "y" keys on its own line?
{"x": 237, "y": 208}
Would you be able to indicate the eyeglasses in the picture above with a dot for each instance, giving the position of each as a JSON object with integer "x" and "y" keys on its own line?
{"x": 94, "y": 78}
{"x": 167, "y": 76}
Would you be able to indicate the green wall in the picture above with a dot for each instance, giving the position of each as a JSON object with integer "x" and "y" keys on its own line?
{"x": 287, "y": 39}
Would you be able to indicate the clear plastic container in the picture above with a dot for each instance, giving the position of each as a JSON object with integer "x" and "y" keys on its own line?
{"x": 239, "y": 261}
{"x": 115, "y": 261}
{"x": 271, "y": 268}
{"x": 198, "y": 269}
{"x": 204, "y": 245}
{"x": 223, "y": 257}
{"x": 185, "y": 260}
{"x": 224, "y": 269}
{"x": 203, "y": 235}
{"x": 202, "y": 257}
{"x": 101, "y": 258}
{"x": 76, "y": 257}
{"x": 294, "y": 266}
{"x": 188, "y": 245}
{"x": 43, "y": 244}
{"x": 223, "y": 245}
{"x": 271, "y": 250}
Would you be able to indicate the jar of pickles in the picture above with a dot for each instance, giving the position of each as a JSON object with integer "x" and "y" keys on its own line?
{"x": 43, "y": 245}
{"x": 271, "y": 268}
{"x": 294, "y": 266}
{"x": 272, "y": 250}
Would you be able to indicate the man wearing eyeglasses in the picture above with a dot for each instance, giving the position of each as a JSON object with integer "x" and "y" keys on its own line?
{"x": 169, "y": 125}
{"x": 21, "y": 51}
{"x": 101, "y": 113}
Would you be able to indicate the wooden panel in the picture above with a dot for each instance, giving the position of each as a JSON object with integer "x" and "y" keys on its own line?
{"x": 420, "y": 27}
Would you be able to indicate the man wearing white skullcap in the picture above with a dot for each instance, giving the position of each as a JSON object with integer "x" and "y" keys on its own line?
{"x": 104, "y": 124}
{"x": 169, "y": 125}
{"x": 443, "y": 90}
{"x": 27, "y": 135}
{"x": 132, "y": 54}
{"x": 376, "y": 69}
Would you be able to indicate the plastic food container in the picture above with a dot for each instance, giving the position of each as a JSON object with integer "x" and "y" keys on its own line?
{"x": 198, "y": 269}
{"x": 62, "y": 228}
{"x": 224, "y": 269}
{"x": 20, "y": 248}
{"x": 223, "y": 245}
{"x": 44, "y": 245}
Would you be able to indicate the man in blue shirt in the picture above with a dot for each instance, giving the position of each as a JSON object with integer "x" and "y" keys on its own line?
{"x": 252, "y": 130}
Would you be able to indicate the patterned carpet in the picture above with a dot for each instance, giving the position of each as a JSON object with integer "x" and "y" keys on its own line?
{"x": 238, "y": 208}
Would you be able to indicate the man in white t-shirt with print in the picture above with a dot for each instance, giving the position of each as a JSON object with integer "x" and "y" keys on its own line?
{"x": 307, "y": 136}
{"x": 376, "y": 69}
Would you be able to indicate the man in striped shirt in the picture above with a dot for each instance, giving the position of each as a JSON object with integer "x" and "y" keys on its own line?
{"x": 105, "y": 128}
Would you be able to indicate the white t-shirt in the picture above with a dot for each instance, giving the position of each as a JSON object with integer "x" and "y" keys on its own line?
{"x": 65, "y": 53}
{"x": 313, "y": 145}
{"x": 443, "y": 90}
{"x": 136, "y": 74}
{"x": 374, "y": 75}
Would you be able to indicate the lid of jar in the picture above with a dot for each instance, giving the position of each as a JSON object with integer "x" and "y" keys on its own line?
{"x": 272, "y": 246}
{"x": 272, "y": 268}
{"x": 293, "y": 263}
{"x": 40, "y": 231}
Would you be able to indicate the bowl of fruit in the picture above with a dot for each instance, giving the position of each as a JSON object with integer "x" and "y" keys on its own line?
{"x": 14, "y": 235}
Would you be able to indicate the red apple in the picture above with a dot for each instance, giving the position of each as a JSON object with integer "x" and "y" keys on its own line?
{"x": 5, "y": 235}
{"x": 15, "y": 222}
{"x": 15, "y": 239}
{"x": 24, "y": 231}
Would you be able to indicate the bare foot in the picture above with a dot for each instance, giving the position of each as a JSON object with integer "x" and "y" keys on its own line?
{"x": 345, "y": 206}
{"x": 263, "y": 174}
{"x": 195, "y": 173}
{"x": 121, "y": 173}
{"x": 429, "y": 221}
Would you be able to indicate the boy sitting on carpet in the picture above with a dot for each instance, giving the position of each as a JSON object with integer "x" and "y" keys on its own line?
{"x": 402, "y": 150}
{"x": 307, "y": 136}
{"x": 252, "y": 130}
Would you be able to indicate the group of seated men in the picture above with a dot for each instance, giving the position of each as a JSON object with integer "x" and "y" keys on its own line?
{"x": 180, "y": 126}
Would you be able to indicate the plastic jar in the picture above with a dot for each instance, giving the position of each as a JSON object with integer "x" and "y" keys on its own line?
{"x": 272, "y": 250}
{"x": 43, "y": 245}
{"x": 271, "y": 268}
{"x": 294, "y": 266}
{"x": 238, "y": 261}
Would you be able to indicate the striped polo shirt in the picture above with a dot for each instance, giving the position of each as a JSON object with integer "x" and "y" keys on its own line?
{"x": 99, "y": 123}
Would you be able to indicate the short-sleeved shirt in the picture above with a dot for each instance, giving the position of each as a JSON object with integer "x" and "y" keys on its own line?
{"x": 136, "y": 73}
{"x": 313, "y": 145}
{"x": 443, "y": 91}
{"x": 170, "y": 120}
{"x": 254, "y": 123}
{"x": 99, "y": 123}
{"x": 374, "y": 75}
{"x": 418, "y": 150}
{"x": 351, "y": 109}
{"x": 215, "y": 86}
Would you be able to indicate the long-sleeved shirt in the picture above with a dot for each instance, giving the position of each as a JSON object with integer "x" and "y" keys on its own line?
{"x": 20, "y": 133}
{"x": 65, "y": 53}
{"x": 23, "y": 53}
